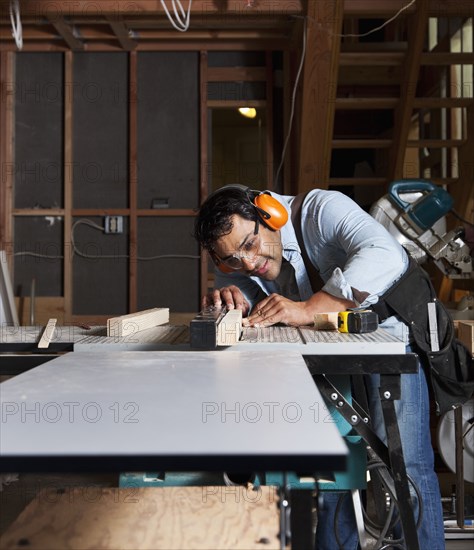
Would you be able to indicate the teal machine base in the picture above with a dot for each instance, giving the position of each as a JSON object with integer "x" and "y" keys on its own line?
{"x": 353, "y": 478}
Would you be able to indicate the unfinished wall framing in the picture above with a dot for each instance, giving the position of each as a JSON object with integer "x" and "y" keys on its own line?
{"x": 113, "y": 134}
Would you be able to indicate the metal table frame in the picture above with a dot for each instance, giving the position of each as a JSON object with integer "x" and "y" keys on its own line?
{"x": 391, "y": 454}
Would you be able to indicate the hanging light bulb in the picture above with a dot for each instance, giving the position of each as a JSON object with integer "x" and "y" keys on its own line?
{"x": 249, "y": 112}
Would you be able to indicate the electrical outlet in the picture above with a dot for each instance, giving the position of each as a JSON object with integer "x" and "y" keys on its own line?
{"x": 114, "y": 224}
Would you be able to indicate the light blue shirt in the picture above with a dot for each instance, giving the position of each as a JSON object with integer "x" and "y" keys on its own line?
{"x": 348, "y": 247}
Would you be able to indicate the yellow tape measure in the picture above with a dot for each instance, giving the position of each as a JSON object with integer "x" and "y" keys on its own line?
{"x": 357, "y": 322}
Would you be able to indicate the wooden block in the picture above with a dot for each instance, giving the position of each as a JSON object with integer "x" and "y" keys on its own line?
{"x": 125, "y": 325}
{"x": 148, "y": 518}
{"x": 230, "y": 328}
{"x": 203, "y": 329}
{"x": 466, "y": 334}
{"x": 48, "y": 333}
{"x": 326, "y": 321}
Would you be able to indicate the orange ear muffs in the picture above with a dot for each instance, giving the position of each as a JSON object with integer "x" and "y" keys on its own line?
{"x": 273, "y": 213}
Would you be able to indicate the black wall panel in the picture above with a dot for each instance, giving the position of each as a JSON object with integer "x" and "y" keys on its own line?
{"x": 38, "y": 163}
{"x": 168, "y": 129}
{"x": 100, "y": 130}
{"x": 100, "y": 281}
{"x": 168, "y": 282}
{"x": 38, "y": 255}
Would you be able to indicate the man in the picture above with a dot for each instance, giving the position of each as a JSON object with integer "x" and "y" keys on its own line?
{"x": 261, "y": 270}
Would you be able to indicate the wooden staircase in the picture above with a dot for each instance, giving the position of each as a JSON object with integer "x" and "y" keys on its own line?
{"x": 398, "y": 103}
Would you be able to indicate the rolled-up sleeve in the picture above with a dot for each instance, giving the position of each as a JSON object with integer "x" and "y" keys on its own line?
{"x": 358, "y": 258}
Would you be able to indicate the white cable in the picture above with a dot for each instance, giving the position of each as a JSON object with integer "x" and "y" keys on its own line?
{"x": 37, "y": 255}
{"x": 115, "y": 256}
{"x": 17, "y": 28}
{"x": 401, "y": 10}
{"x": 106, "y": 256}
{"x": 181, "y": 20}
{"x": 293, "y": 101}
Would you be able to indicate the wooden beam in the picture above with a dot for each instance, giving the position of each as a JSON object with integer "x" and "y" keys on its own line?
{"x": 122, "y": 33}
{"x": 200, "y": 8}
{"x": 68, "y": 182}
{"x": 39, "y": 9}
{"x": 205, "y": 165}
{"x": 7, "y": 168}
{"x": 324, "y": 24}
{"x": 463, "y": 191}
{"x": 269, "y": 174}
{"x": 362, "y": 103}
{"x": 224, "y": 103}
{"x": 133, "y": 181}
{"x": 239, "y": 74}
{"x": 371, "y": 59}
{"x": 442, "y": 102}
{"x": 404, "y": 111}
{"x": 67, "y": 34}
{"x": 447, "y": 58}
{"x": 354, "y": 143}
{"x": 435, "y": 143}
{"x": 178, "y": 44}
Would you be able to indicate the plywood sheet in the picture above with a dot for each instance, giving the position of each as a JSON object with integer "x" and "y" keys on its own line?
{"x": 148, "y": 518}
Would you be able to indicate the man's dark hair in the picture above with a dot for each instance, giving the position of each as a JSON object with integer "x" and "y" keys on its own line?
{"x": 214, "y": 219}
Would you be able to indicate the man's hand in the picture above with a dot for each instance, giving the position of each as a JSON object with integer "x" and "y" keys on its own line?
{"x": 277, "y": 309}
{"x": 229, "y": 296}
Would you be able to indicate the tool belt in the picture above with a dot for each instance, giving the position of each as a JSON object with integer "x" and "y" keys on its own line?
{"x": 449, "y": 370}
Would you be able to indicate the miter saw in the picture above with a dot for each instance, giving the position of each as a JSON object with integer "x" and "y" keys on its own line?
{"x": 414, "y": 212}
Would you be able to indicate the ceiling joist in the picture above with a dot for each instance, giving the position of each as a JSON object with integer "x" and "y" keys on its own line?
{"x": 122, "y": 33}
{"x": 67, "y": 34}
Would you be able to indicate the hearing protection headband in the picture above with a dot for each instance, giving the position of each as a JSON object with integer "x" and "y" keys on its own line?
{"x": 271, "y": 212}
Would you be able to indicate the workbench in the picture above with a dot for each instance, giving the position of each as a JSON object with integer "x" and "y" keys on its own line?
{"x": 107, "y": 380}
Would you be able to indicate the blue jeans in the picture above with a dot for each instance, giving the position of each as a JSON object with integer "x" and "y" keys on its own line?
{"x": 414, "y": 424}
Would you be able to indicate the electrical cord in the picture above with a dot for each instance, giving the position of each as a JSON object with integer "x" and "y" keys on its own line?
{"x": 293, "y": 102}
{"x": 181, "y": 18}
{"x": 81, "y": 254}
{"x": 380, "y": 27}
{"x": 375, "y": 465}
{"x": 379, "y": 532}
{"x": 116, "y": 256}
{"x": 17, "y": 28}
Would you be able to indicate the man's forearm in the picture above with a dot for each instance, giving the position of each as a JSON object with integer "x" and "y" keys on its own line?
{"x": 322, "y": 302}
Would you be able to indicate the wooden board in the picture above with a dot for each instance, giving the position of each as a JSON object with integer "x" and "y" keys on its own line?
{"x": 230, "y": 328}
{"x": 148, "y": 518}
{"x": 48, "y": 334}
{"x": 8, "y": 312}
{"x": 326, "y": 321}
{"x": 125, "y": 325}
